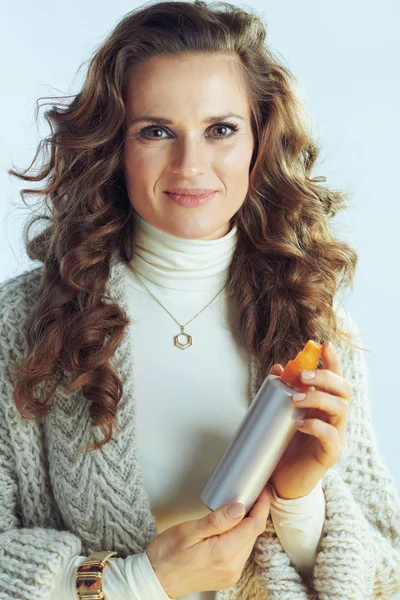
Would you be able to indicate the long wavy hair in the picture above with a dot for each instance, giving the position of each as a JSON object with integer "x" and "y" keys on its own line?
{"x": 287, "y": 266}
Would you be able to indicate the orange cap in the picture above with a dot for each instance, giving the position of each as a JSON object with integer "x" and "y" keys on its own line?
{"x": 306, "y": 359}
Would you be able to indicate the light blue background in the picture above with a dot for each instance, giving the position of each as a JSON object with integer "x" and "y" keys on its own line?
{"x": 346, "y": 58}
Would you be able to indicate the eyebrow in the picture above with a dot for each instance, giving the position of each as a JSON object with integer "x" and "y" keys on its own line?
{"x": 165, "y": 121}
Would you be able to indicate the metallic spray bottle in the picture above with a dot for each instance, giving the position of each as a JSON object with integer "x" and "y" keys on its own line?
{"x": 262, "y": 436}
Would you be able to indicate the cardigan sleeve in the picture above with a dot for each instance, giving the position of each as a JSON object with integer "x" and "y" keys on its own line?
{"x": 29, "y": 556}
{"x": 358, "y": 555}
{"x": 38, "y": 563}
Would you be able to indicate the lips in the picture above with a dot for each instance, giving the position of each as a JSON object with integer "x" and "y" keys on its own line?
{"x": 189, "y": 191}
{"x": 191, "y": 200}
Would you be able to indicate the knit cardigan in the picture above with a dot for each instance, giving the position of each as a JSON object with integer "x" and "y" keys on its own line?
{"x": 57, "y": 501}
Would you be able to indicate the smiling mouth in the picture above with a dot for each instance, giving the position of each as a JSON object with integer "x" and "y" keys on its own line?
{"x": 190, "y": 200}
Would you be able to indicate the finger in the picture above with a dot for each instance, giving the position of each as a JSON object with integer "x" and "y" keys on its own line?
{"x": 326, "y": 433}
{"x": 276, "y": 369}
{"x": 251, "y": 526}
{"x": 330, "y": 358}
{"x": 259, "y": 512}
{"x": 335, "y": 406}
{"x": 330, "y": 382}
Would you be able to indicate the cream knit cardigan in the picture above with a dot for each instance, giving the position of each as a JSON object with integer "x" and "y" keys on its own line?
{"x": 57, "y": 501}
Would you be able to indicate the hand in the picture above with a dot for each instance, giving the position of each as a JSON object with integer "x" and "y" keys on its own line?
{"x": 320, "y": 442}
{"x": 209, "y": 553}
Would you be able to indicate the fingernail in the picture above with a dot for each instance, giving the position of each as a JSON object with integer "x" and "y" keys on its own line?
{"x": 331, "y": 347}
{"x": 235, "y": 510}
{"x": 308, "y": 374}
{"x": 298, "y": 397}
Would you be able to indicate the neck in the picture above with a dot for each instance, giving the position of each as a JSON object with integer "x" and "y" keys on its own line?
{"x": 179, "y": 263}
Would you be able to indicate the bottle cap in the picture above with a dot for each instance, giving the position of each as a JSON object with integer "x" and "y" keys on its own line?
{"x": 306, "y": 359}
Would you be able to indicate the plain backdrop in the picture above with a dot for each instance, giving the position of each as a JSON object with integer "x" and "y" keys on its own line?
{"x": 345, "y": 56}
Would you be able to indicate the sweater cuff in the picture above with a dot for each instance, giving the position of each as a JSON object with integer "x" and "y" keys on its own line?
{"x": 140, "y": 569}
{"x": 298, "y": 523}
{"x": 296, "y": 512}
{"x": 65, "y": 582}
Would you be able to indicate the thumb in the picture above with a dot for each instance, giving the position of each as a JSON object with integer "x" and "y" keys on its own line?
{"x": 276, "y": 369}
{"x": 220, "y": 520}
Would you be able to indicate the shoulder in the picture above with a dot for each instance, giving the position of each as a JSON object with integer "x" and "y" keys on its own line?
{"x": 16, "y": 299}
{"x": 20, "y": 284}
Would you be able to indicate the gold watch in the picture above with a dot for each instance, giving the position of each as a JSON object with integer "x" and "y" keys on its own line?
{"x": 89, "y": 575}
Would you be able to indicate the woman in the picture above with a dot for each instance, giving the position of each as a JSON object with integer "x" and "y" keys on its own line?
{"x": 153, "y": 320}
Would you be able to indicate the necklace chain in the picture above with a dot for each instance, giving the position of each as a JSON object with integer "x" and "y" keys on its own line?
{"x": 178, "y": 344}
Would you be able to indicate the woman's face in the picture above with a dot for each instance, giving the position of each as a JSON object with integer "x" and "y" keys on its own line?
{"x": 188, "y": 151}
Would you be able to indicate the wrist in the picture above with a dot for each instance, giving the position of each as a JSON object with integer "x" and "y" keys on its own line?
{"x": 282, "y": 491}
{"x": 162, "y": 575}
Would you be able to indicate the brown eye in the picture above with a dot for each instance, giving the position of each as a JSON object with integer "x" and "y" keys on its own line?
{"x": 226, "y": 126}
{"x": 143, "y": 132}
{"x": 154, "y": 127}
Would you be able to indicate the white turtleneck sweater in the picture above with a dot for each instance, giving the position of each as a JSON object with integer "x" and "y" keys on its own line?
{"x": 193, "y": 399}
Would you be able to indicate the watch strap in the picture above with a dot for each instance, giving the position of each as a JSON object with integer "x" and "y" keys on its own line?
{"x": 89, "y": 575}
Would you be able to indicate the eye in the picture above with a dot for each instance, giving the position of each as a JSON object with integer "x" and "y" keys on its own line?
{"x": 233, "y": 126}
{"x": 143, "y": 131}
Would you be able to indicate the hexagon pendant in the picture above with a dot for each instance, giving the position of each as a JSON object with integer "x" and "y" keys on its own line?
{"x": 183, "y": 345}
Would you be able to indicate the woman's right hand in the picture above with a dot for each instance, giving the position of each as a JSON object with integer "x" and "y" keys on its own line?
{"x": 210, "y": 553}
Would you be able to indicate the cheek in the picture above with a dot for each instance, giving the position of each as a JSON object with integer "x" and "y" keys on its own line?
{"x": 238, "y": 155}
{"x": 236, "y": 165}
{"x": 140, "y": 164}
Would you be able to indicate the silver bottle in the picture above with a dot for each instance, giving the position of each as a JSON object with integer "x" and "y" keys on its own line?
{"x": 260, "y": 440}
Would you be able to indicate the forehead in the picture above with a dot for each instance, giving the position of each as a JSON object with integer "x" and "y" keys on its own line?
{"x": 212, "y": 82}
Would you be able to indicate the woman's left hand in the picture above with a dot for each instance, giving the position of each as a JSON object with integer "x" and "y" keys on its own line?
{"x": 319, "y": 443}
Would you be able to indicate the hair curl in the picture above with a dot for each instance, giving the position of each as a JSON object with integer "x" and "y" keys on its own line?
{"x": 287, "y": 266}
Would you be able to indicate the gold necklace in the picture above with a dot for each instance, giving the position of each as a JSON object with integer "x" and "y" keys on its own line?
{"x": 177, "y": 343}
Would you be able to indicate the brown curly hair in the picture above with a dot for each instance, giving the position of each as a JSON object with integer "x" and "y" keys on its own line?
{"x": 287, "y": 266}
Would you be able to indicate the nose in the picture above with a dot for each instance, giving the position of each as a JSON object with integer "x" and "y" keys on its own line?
{"x": 190, "y": 155}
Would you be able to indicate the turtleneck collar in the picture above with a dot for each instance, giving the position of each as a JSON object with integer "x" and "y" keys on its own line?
{"x": 179, "y": 263}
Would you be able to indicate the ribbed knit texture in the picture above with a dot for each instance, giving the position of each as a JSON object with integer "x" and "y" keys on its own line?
{"x": 57, "y": 501}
